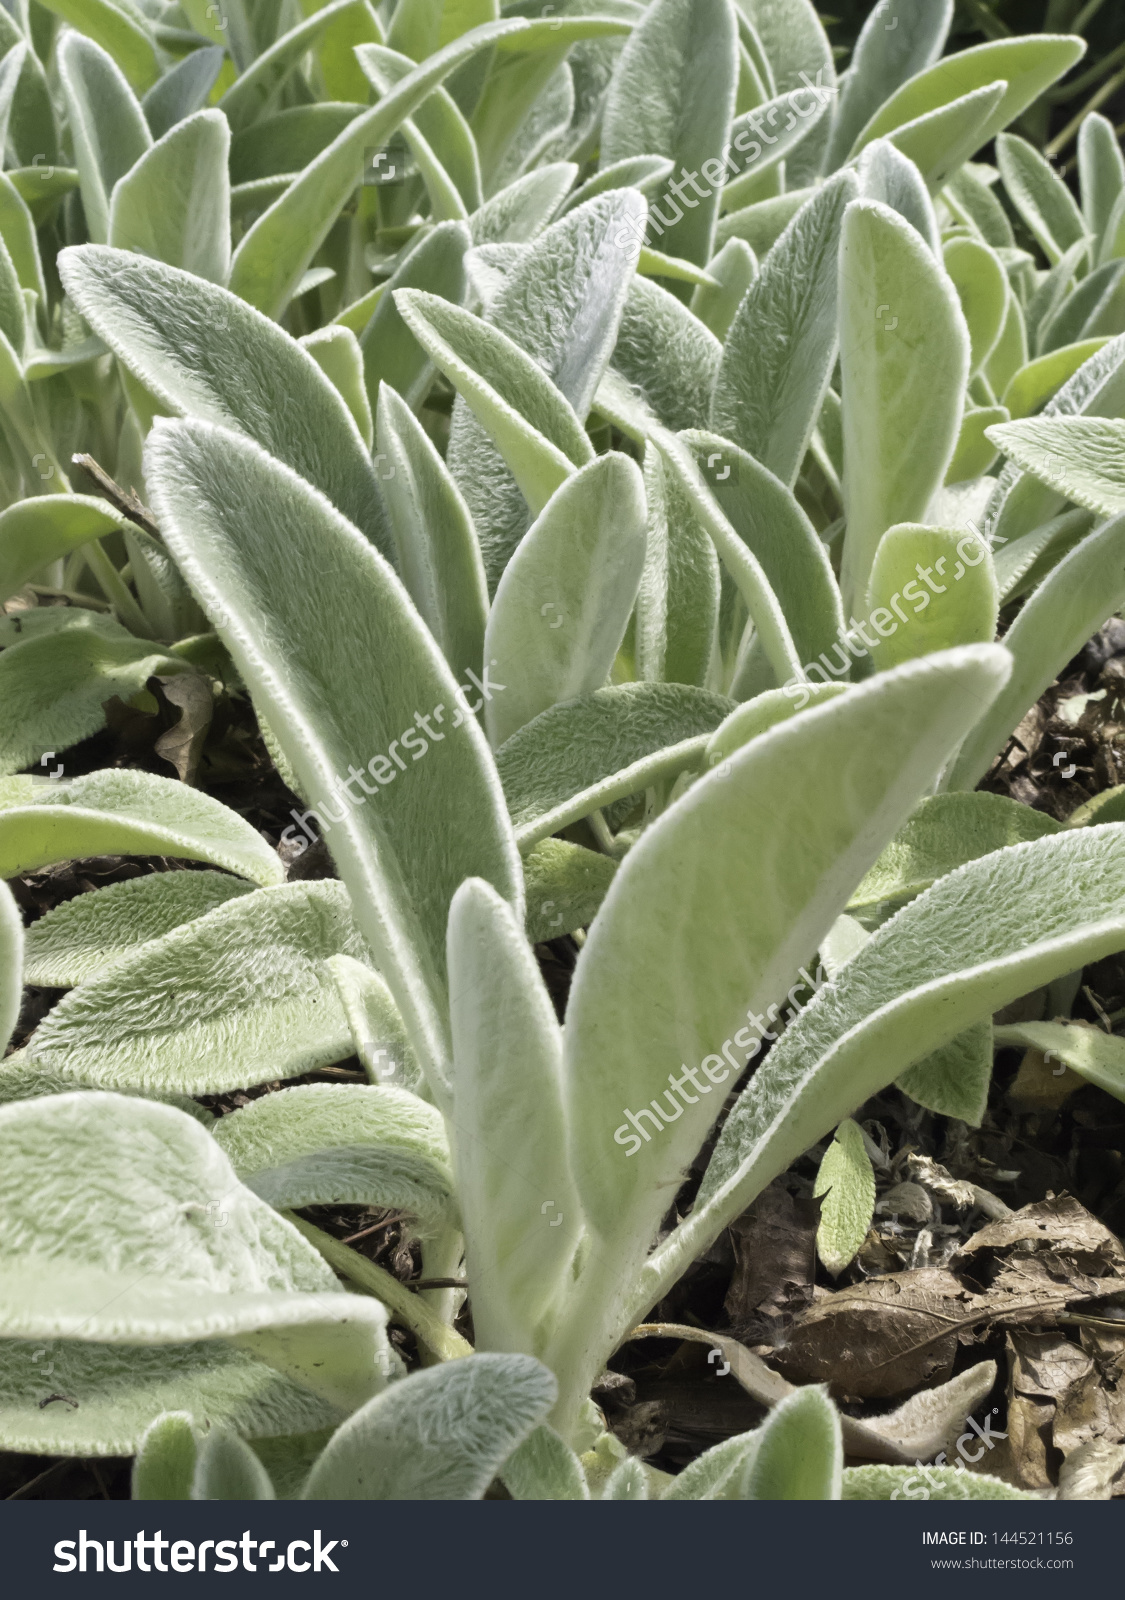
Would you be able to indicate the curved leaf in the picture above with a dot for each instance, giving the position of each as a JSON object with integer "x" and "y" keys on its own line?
{"x": 107, "y": 126}
{"x": 123, "y": 1223}
{"x": 564, "y": 885}
{"x": 1098, "y": 1057}
{"x": 342, "y": 1144}
{"x": 962, "y": 609}
{"x": 174, "y": 204}
{"x": 438, "y": 1435}
{"x": 236, "y": 997}
{"x": 77, "y": 939}
{"x": 886, "y": 55}
{"x": 846, "y": 1181}
{"x": 11, "y": 964}
{"x": 126, "y": 813}
{"x": 565, "y": 598}
{"x": 799, "y": 1454}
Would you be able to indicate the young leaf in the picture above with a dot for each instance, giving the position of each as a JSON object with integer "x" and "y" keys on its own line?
{"x": 35, "y": 532}
{"x": 170, "y": 1247}
{"x": 771, "y": 524}
{"x": 564, "y": 885}
{"x": 203, "y": 352}
{"x": 545, "y": 1468}
{"x": 672, "y": 94}
{"x": 664, "y": 365}
{"x": 793, "y": 40}
{"x": 1086, "y": 587}
{"x": 165, "y": 1463}
{"x": 130, "y": 814}
{"x": 901, "y": 414}
{"x": 522, "y": 1217}
{"x": 437, "y": 1435}
{"x": 615, "y": 742}
{"x": 982, "y": 288}
{"x": 182, "y": 90}
{"x": 800, "y": 1455}
{"x": 337, "y": 353}
{"x": 962, "y": 609}
{"x": 733, "y": 270}
{"x": 929, "y": 1483}
{"x": 436, "y": 543}
{"x": 531, "y": 423}
{"x": 378, "y": 1030}
{"x": 255, "y": 88}
{"x": 627, "y": 1481}
{"x": 658, "y": 1000}
{"x": 519, "y": 213}
{"x": 1037, "y": 382}
{"x": 953, "y": 1080}
{"x": 226, "y": 508}
{"x": 106, "y": 124}
{"x": 564, "y": 601}
{"x": 1101, "y": 172}
{"x": 174, "y": 205}
{"x": 438, "y": 119}
{"x": 236, "y": 997}
{"x": 77, "y": 939}
{"x": 227, "y": 1469}
{"x": 885, "y": 174}
{"x": 846, "y": 1182}
{"x": 1040, "y": 196}
{"x": 781, "y": 347}
{"x": 893, "y": 47}
{"x": 342, "y": 1144}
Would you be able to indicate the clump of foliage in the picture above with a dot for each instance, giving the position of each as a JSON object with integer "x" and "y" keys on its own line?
{"x": 602, "y": 409}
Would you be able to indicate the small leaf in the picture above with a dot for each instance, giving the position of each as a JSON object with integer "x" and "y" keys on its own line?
{"x": 392, "y": 351}
{"x": 35, "y": 532}
{"x": 564, "y": 886}
{"x": 342, "y": 1144}
{"x": 953, "y": 1080}
{"x": 615, "y": 742}
{"x": 885, "y": 174}
{"x": 546, "y": 1468}
{"x": 677, "y": 611}
{"x": 1035, "y": 384}
{"x": 378, "y": 1030}
{"x": 182, "y": 90}
{"x": 1080, "y": 457}
{"x": 564, "y": 601}
{"x": 1099, "y": 1057}
{"x": 337, "y": 353}
{"x": 962, "y": 608}
{"x": 800, "y": 1455}
{"x": 982, "y": 288}
{"x": 165, "y": 1463}
{"x": 664, "y": 365}
{"x": 76, "y": 939}
{"x": 1040, "y": 196}
{"x": 887, "y": 54}
{"x": 522, "y": 1216}
{"x": 442, "y": 1434}
{"x": 227, "y": 1469}
{"x": 1101, "y": 172}
{"x": 846, "y": 1180}
{"x": 781, "y": 347}
{"x": 174, "y": 204}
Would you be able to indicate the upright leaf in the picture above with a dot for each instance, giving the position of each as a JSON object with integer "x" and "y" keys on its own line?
{"x": 564, "y": 601}
{"x": 11, "y": 964}
{"x": 437, "y": 1435}
{"x": 1040, "y": 196}
{"x": 224, "y": 506}
{"x": 902, "y": 410}
{"x": 779, "y": 353}
{"x": 678, "y": 598}
{"x": 800, "y": 1454}
{"x": 893, "y": 47}
{"x": 106, "y": 123}
{"x": 174, "y": 204}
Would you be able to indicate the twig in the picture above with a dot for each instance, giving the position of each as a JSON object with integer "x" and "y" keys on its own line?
{"x": 1110, "y": 87}
{"x": 365, "y": 1233}
{"x": 438, "y": 1283}
{"x": 125, "y": 500}
{"x": 403, "y": 1304}
{"x": 74, "y": 598}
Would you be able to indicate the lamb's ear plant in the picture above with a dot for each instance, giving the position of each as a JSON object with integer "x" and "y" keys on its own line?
{"x": 563, "y": 537}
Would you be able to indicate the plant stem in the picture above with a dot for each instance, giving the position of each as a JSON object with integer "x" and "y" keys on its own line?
{"x": 406, "y": 1308}
{"x": 115, "y": 591}
{"x": 1108, "y": 88}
